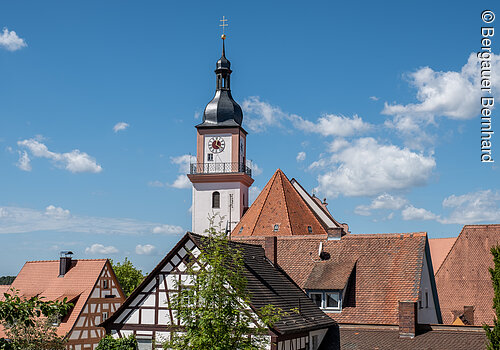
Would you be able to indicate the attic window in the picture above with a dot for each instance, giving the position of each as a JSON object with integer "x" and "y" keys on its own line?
{"x": 309, "y": 229}
{"x": 105, "y": 284}
{"x": 241, "y": 230}
{"x": 276, "y": 228}
{"x": 328, "y": 300}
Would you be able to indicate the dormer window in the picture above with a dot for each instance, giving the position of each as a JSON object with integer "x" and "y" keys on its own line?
{"x": 276, "y": 228}
{"x": 309, "y": 229}
{"x": 241, "y": 230}
{"x": 216, "y": 200}
{"x": 328, "y": 300}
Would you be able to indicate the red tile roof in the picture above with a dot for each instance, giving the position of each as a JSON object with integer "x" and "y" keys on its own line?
{"x": 370, "y": 337}
{"x": 440, "y": 247}
{"x": 3, "y": 289}
{"x": 279, "y": 203}
{"x": 463, "y": 278}
{"x": 388, "y": 269}
{"x": 42, "y": 278}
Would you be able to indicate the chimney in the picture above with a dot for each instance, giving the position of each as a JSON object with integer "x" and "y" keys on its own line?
{"x": 271, "y": 249}
{"x": 407, "y": 319}
{"x": 64, "y": 262}
{"x": 469, "y": 314}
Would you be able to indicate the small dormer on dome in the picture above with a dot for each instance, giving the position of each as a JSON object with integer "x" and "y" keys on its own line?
{"x": 222, "y": 110}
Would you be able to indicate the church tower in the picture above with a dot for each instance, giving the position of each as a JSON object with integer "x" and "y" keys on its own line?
{"x": 220, "y": 176}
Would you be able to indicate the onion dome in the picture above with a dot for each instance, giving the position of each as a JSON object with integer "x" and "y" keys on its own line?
{"x": 222, "y": 110}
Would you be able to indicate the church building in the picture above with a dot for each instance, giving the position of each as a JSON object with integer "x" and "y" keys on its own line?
{"x": 352, "y": 291}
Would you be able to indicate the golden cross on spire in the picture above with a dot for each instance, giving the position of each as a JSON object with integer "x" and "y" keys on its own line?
{"x": 223, "y": 25}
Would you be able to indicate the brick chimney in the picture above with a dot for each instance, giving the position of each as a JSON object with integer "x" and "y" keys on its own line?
{"x": 271, "y": 249}
{"x": 407, "y": 319}
{"x": 64, "y": 262}
{"x": 469, "y": 314}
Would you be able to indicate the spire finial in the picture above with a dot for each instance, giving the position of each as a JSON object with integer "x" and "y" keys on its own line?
{"x": 223, "y": 25}
{"x": 223, "y": 36}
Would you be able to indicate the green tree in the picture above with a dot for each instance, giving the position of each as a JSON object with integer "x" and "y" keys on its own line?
{"x": 493, "y": 333}
{"x": 128, "y": 276}
{"x": 7, "y": 280}
{"x": 110, "y": 343}
{"x": 31, "y": 324}
{"x": 213, "y": 305}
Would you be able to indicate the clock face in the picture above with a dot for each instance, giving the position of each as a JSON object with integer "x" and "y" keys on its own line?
{"x": 216, "y": 144}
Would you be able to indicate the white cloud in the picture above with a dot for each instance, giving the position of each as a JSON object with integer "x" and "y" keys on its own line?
{"x": 74, "y": 161}
{"x": 120, "y": 126}
{"x": 412, "y": 213}
{"x": 253, "y": 193}
{"x": 197, "y": 115}
{"x": 256, "y": 170}
{"x": 156, "y": 183}
{"x": 384, "y": 201}
{"x": 56, "y": 212}
{"x": 260, "y": 115}
{"x": 301, "y": 156}
{"x": 455, "y": 95}
{"x": 366, "y": 168}
{"x": 10, "y": 41}
{"x": 100, "y": 249}
{"x": 56, "y": 219}
{"x": 332, "y": 125}
{"x": 146, "y": 249}
{"x": 374, "y": 98}
{"x": 473, "y": 207}
{"x": 168, "y": 229}
{"x": 24, "y": 162}
{"x": 3, "y": 213}
{"x": 184, "y": 162}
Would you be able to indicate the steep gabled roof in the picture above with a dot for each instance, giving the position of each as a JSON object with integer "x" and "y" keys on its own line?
{"x": 279, "y": 203}
{"x": 440, "y": 247}
{"x": 266, "y": 285}
{"x": 463, "y": 278}
{"x": 388, "y": 269}
{"x": 42, "y": 278}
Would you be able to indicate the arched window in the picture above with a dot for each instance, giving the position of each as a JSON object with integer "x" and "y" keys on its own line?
{"x": 216, "y": 200}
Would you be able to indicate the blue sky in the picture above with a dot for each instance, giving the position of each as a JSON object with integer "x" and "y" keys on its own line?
{"x": 374, "y": 106}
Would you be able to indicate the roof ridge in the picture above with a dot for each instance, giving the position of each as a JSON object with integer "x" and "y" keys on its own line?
{"x": 270, "y": 183}
{"x": 36, "y": 261}
{"x": 451, "y": 248}
{"x": 284, "y": 196}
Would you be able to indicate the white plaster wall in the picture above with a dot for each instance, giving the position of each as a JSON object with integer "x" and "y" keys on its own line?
{"x": 202, "y": 203}
{"x": 320, "y": 333}
{"x": 426, "y": 315}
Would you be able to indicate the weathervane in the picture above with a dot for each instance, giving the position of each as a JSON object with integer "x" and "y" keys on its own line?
{"x": 223, "y": 25}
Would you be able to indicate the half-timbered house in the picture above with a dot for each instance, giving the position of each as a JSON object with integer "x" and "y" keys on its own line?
{"x": 90, "y": 285}
{"x": 149, "y": 315}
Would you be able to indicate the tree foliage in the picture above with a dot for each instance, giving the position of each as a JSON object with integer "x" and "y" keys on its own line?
{"x": 110, "y": 343}
{"x": 212, "y": 305}
{"x": 7, "y": 280}
{"x": 128, "y": 276}
{"x": 31, "y": 323}
{"x": 493, "y": 333}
